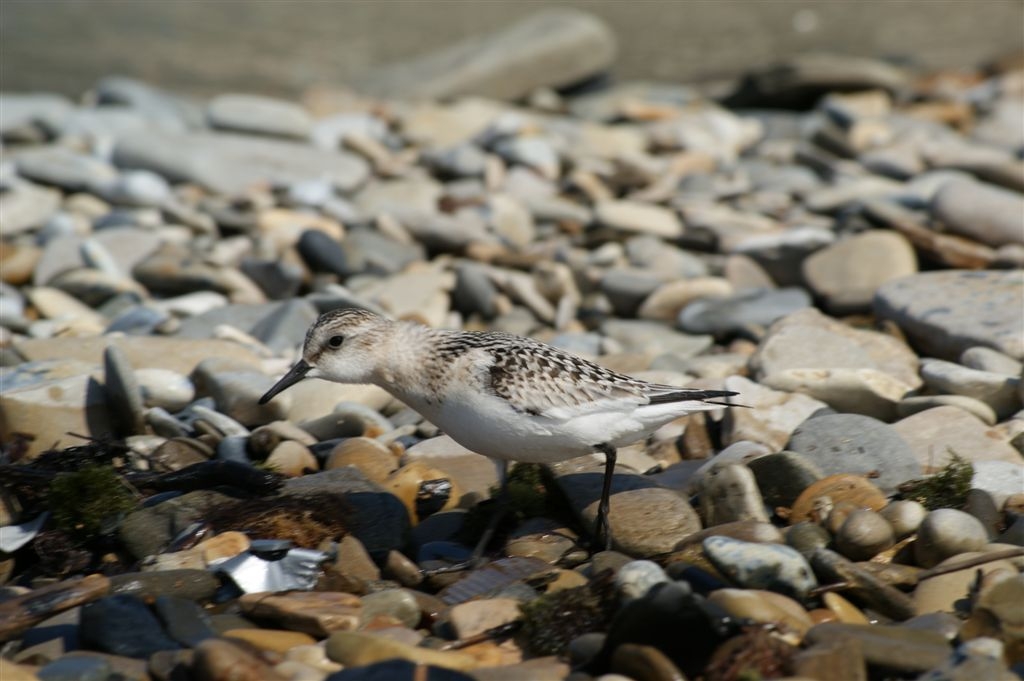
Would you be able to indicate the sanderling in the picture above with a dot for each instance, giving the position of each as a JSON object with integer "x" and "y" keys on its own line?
{"x": 507, "y": 397}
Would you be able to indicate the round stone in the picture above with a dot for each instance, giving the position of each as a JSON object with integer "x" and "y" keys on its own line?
{"x": 634, "y": 579}
{"x": 817, "y": 501}
{"x": 773, "y": 567}
{"x": 850, "y": 443}
{"x": 863, "y": 535}
{"x": 947, "y": 532}
{"x": 905, "y": 516}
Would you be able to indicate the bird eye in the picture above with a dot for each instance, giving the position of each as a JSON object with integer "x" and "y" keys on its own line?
{"x": 336, "y": 341}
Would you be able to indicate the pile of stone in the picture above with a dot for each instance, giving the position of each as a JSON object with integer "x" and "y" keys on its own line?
{"x": 853, "y": 270}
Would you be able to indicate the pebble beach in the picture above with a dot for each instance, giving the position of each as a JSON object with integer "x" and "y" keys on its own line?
{"x": 838, "y": 240}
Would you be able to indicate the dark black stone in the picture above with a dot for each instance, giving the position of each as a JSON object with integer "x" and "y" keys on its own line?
{"x": 322, "y": 253}
{"x": 123, "y": 625}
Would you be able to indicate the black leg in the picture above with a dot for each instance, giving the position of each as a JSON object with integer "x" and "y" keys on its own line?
{"x": 501, "y": 508}
{"x": 602, "y": 525}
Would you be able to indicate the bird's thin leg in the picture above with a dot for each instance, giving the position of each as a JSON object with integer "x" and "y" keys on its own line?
{"x": 606, "y": 490}
{"x": 501, "y": 508}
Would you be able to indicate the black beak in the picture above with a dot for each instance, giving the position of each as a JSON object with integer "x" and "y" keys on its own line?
{"x": 294, "y": 375}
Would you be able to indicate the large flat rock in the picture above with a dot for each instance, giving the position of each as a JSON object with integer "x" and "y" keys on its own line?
{"x": 944, "y": 313}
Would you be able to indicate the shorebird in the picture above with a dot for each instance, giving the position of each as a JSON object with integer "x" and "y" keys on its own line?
{"x": 507, "y": 397}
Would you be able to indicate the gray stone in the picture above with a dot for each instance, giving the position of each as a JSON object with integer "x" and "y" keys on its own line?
{"x": 998, "y": 391}
{"x": 232, "y": 163}
{"x": 987, "y": 359}
{"x": 123, "y": 392}
{"x": 933, "y": 434}
{"x": 783, "y": 476}
{"x": 905, "y": 516}
{"x": 909, "y": 406}
{"x": 26, "y": 206}
{"x": 21, "y": 110}
{"x": 729, "y": 493}
{"x": 168, "y": 111}
{"x": 64, "y": 168}
{"x": 947, "y": 532}
{"x": 944, "y": 313}
{"x": 983, "y": 212}
{"x": 864, "y": 534}
{"x": 553, "y": 48}
{"x": 773, "y": 567}
{"x": 850, "y": 443}
{"x": 654, "y": 338}
{"x": 1001, "y": 479}
{"x": 258, "y": 115}
{"x": 627, "y": 289}
{"x": 635, "y": 578}
{"x": 735, "y": 313}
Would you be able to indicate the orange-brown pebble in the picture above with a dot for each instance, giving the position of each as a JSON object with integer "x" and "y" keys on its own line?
{"x": 274, "y": 640}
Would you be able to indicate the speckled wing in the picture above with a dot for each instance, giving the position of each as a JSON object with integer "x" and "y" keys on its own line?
{"x": 535, "y": 378}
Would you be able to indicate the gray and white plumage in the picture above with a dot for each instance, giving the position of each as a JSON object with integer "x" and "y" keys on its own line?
{"x": 503, "y": 396}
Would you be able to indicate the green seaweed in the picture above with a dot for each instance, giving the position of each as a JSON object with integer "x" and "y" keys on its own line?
{"x": 946, "y": 489}
{"x": 87, "y": 502}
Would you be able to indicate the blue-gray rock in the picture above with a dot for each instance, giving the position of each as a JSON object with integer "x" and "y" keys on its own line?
{"x": 982, "y": 212}
{"x": 944, "y": 313}
{"x": 367, "y": 250}
{"x": 285, "y": 327}
{"x": 123, "y": 625}
{"x": 279, "y": 280}
{"x": 40, "y": 109}
{"x": 167, "y": 111}
{"x": 258, "y": 115}
{"x": 230, "y": 164}
{"x": 64, "y": 168}
{"x": 757, "y": 308}
{"x": 627, "y": 289}
{"x": 773, "y": 567}
{"x": 184, "y": 620}
{"x": 851, "y": 443}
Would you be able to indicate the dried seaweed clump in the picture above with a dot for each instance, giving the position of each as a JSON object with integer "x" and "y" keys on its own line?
{"x": 306, "y": 521}
{"x": 88, "y": 502}
{"x": 751, "y": 656}
{"x": 946, "y": 489}
{"x": 551, "y": 621}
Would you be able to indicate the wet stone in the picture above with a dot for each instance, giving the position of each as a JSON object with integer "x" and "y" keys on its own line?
{"x": 123, "y": 625}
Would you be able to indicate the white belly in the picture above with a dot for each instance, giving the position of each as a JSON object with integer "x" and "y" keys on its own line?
{"x": 488, "y": 426}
